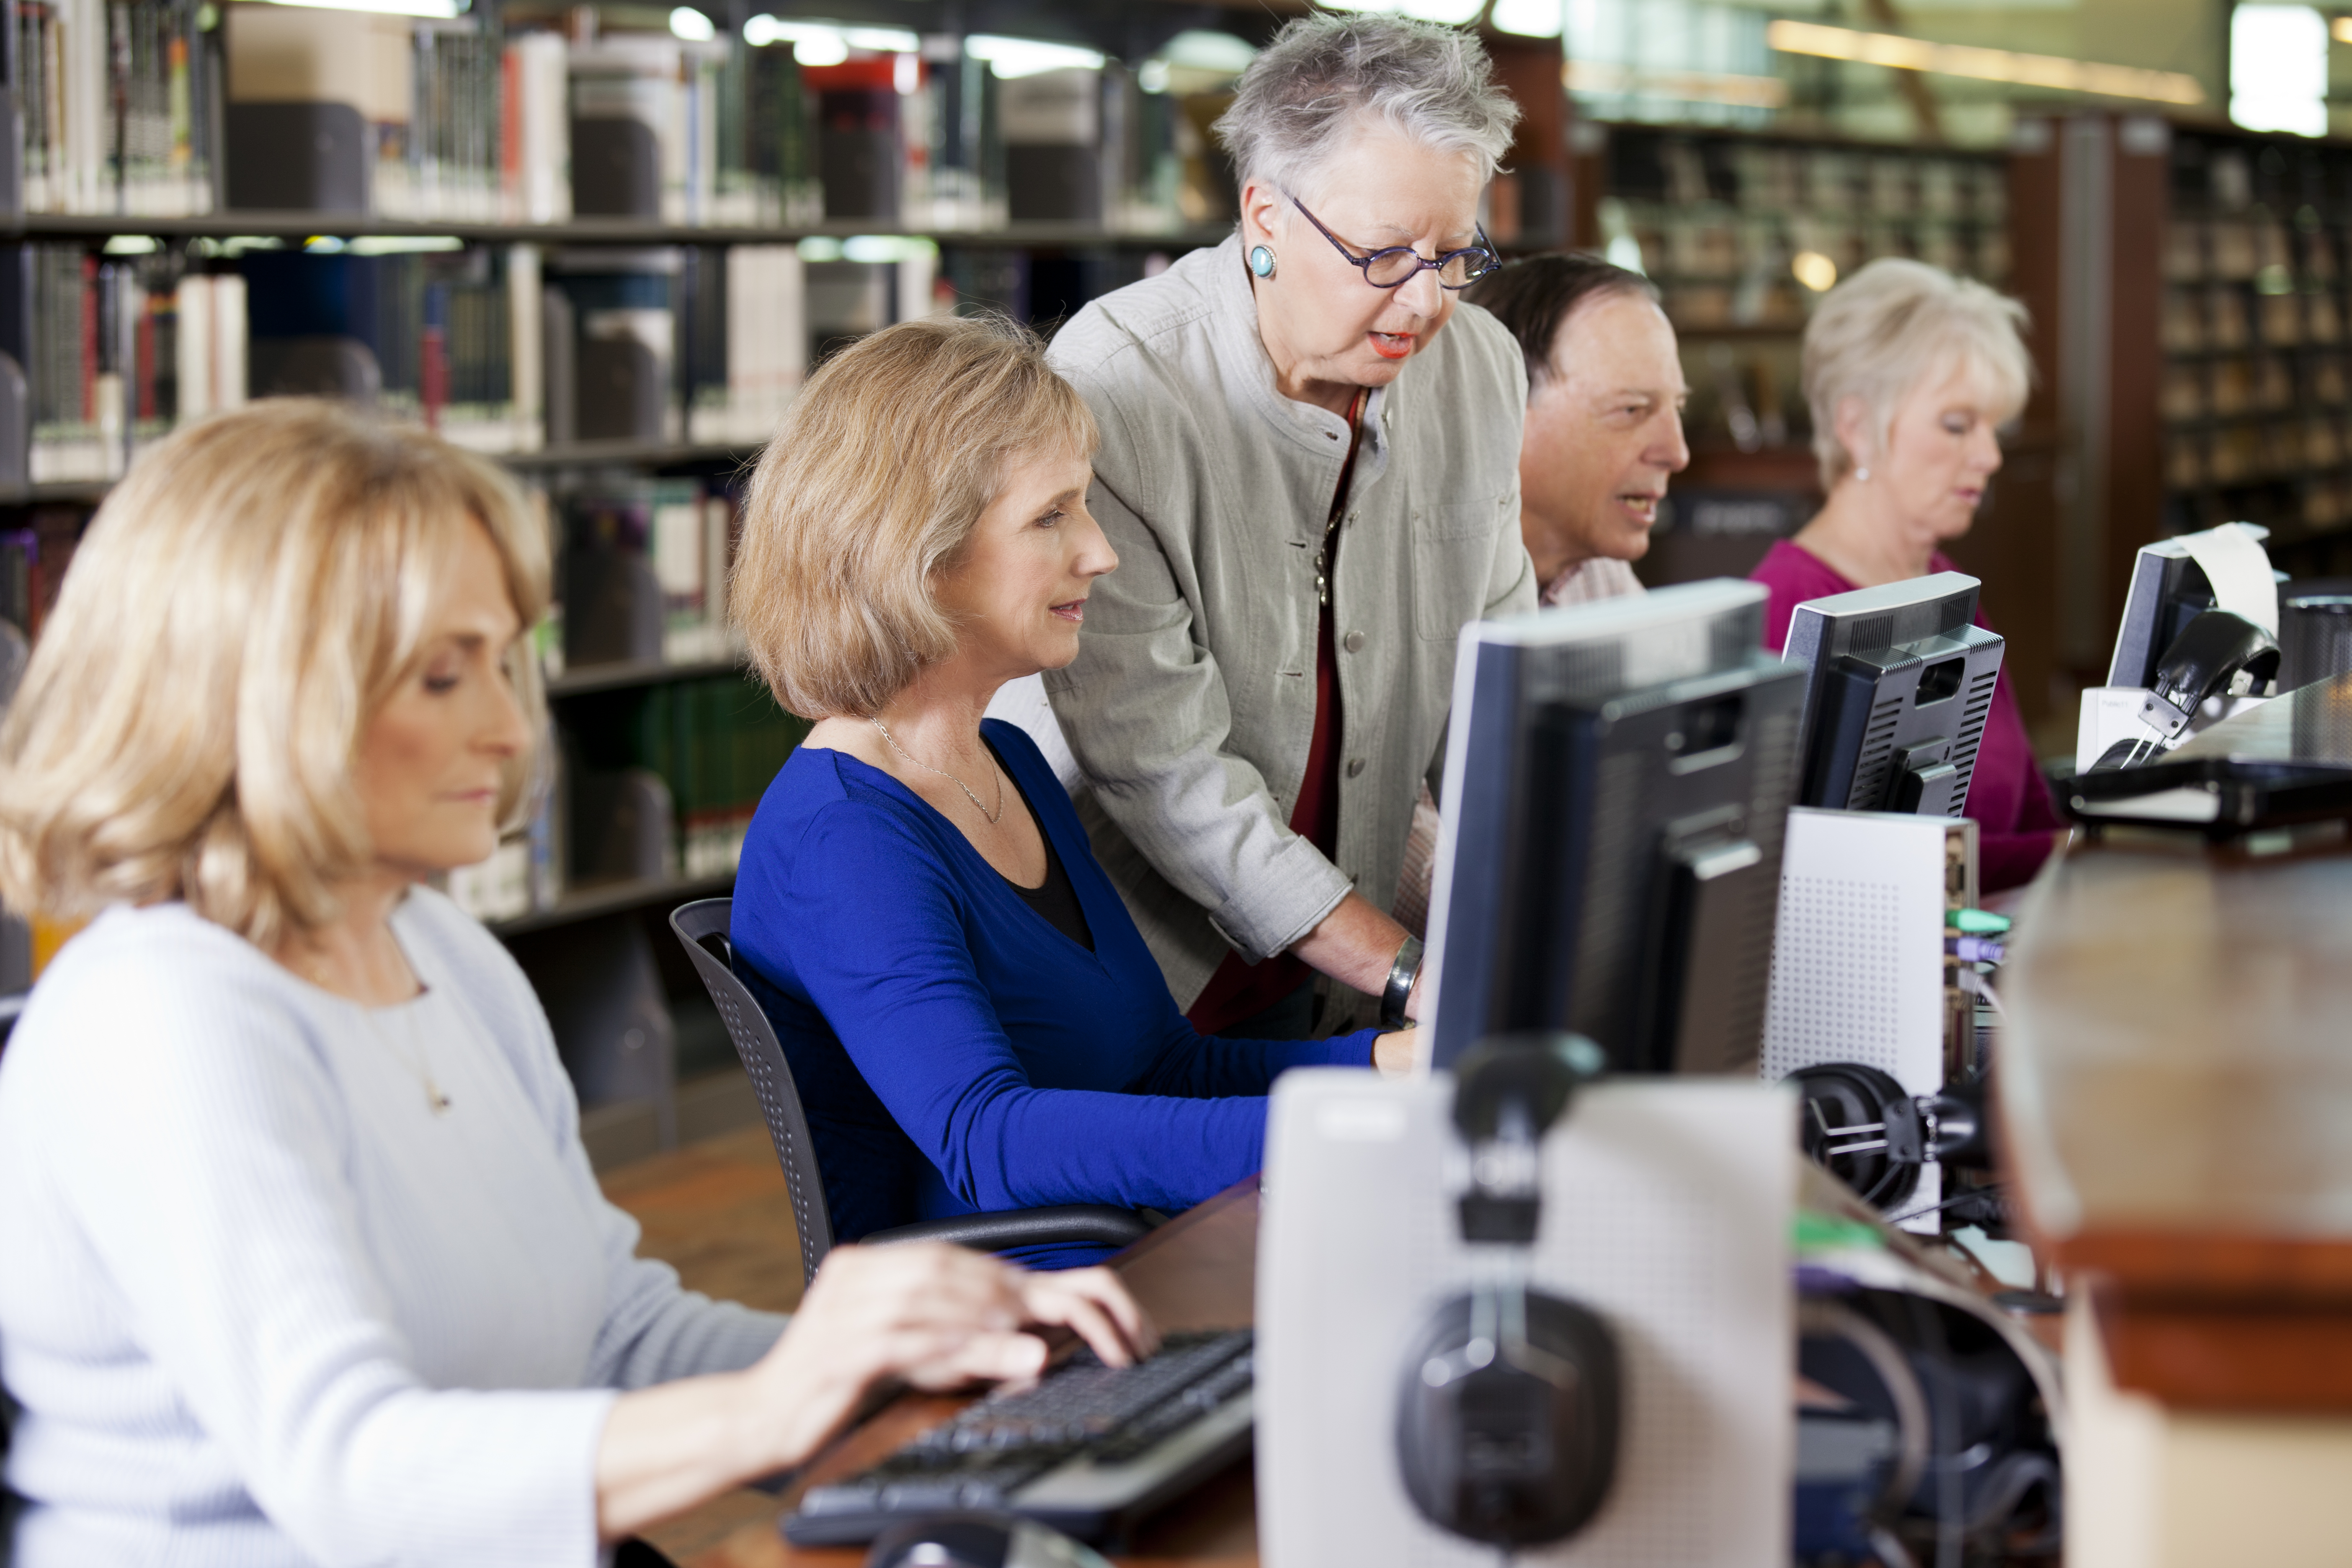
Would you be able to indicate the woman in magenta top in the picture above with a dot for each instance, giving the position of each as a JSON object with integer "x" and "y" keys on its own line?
{"x": 1908, "y": 371}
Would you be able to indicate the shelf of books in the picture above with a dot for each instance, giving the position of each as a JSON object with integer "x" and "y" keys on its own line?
{"x": 1743, "y": 233}
{"x": 2256, "y": 392}
{"x": 541, "y": 234}
{"x": 603, "y": 246}
{"x": 602, "y": 251}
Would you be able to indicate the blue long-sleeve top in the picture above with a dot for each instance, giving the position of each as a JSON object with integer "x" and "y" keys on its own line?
{"x": 954, "y": 1052}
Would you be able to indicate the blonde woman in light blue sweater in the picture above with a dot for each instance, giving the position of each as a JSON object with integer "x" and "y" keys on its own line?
{"x": 304, "y": 1262}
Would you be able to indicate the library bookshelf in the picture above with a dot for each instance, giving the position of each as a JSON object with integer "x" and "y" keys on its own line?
{"x": 649, "y": 1057}
{"x": 2201, "y": 373}
{"x": 1743, "y": 232}
{"x": 604, "y": 258}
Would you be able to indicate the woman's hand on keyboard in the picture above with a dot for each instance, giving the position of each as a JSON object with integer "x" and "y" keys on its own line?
{"x": 936, "y": 1317}
{"x": 924, "y": 1314}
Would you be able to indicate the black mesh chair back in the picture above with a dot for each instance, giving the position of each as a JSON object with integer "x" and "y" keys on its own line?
{"x": 8, "y": 1498}
{"x": 702, "y": 927}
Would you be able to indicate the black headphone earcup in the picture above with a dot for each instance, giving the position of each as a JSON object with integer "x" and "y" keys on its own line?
{"x": 1511, "y": 1447}
{"x": 1855, "y": 1095}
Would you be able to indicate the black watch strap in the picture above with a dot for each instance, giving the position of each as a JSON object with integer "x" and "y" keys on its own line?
{"x": 1401, "y": 974}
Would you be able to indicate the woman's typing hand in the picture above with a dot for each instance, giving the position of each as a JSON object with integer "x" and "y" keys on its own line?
{"x": 925, "y": 1314}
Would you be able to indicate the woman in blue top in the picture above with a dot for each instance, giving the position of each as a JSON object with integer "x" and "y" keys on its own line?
{"x": 973, "y": 1018}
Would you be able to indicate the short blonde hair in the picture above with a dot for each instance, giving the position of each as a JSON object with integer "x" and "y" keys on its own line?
{"x": 1882, "y": 332}
{"x": 869, "y": 489}
{"x": 242, "y": 606}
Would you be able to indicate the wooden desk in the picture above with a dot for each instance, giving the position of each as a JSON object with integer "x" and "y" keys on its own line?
{"x": 2175, "y": 1092}
{"x": 1199, "y": 1271}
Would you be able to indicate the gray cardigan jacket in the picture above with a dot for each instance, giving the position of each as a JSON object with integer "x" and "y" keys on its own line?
{"x": 1191, "y": 703}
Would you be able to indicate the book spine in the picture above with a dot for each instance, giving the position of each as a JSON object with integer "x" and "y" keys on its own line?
{"x": 199, "y": 364}
{"x": 526, "y": 348}
{"x": 229, "y": 364}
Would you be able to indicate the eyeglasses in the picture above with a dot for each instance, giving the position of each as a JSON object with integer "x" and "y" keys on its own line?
{"x": 1399, "y": 264}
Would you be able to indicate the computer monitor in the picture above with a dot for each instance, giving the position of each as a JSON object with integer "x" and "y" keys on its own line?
{"x": 1897, "y": 686}
{"x": 2169, "y": 590}
{"x": 1617, "y": 776}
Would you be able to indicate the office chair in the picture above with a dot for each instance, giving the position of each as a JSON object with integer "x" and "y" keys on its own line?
{"x": 702, "y": 927}
{"x": 8, "y": 1498}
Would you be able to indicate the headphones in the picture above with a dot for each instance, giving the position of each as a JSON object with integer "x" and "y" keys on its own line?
{"x": 1860, "y": 1126}
{"x": 1508, "y": 1411}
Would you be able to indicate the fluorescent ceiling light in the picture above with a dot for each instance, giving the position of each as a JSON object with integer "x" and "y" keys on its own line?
{"x": 2050, "y": 71}
{"x": 826, "y": 43}
{"x": 1200, "y": 48}
{"x": 447, "y": 10}
{"x": 1010, "y": 57}
{"x": 1452, "y": 13}
{"x": 686, "y": 22}
{"x": 402, "y": 244}
{"x": 2278, "y": 68}
{"x": 873, "y": 247}
{"x": 2342, "y": 29}
{"x": 1688, "y": 87}
{"x": 1529, "y": 19}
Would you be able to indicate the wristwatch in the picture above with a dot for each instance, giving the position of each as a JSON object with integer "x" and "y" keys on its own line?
{"x": 1401, "y": 974}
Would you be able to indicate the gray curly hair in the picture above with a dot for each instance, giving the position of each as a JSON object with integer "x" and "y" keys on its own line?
{"x": 1433, "y": 84}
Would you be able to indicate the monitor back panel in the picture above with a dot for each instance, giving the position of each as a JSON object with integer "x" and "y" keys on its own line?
{"x": 1616, "y": 864}
{"x": 1898, "y": 729}
{"x": 1667, "y": 1206}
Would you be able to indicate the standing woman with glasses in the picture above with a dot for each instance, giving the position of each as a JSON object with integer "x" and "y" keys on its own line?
{"x": 1309, "y": 470}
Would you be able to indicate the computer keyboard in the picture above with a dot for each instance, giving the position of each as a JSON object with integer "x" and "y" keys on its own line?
{"x": 1091, "y": 1449}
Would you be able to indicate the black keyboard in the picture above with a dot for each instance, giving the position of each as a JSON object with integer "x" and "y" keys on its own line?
{"x": 1091, "y": 1449}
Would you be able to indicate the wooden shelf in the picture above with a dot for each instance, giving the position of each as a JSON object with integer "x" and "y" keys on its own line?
{"x": 570, "y": 455}
{"x": 583, "y": 231}
{"x": 621, "y": 454}
{"x": 2251, "y": 351}
{"x": 68, "y": 492}
{"x": 597, "y": 898}
{"x": 1741, "y": 331}
{"x": 2200, "y": 423}
{"x": 589, "y": 679}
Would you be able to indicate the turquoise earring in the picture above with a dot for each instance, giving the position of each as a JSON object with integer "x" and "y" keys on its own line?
{"x": 1261, "y": 260}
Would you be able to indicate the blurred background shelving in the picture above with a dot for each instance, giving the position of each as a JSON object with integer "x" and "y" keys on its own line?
{"x": 604, "y": 243}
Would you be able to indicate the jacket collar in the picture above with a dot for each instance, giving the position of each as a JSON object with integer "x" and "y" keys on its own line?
{"x": 1232, "y": 329}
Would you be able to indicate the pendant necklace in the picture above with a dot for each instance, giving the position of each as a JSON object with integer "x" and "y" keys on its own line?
{"x": 992, "y": 815}
{"x": 419, "y": 1066}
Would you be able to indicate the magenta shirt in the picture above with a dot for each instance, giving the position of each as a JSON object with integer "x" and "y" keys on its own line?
{"x": 2008, "y": 796}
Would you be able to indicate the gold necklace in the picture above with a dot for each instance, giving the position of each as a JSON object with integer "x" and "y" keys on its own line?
{"x": 419, "y": 1066}
{"x": 992, "y": 816}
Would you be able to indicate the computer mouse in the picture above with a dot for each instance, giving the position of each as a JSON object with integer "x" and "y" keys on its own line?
{"x": 1507, "y": 1417}
{"x": 978, "y": 1540}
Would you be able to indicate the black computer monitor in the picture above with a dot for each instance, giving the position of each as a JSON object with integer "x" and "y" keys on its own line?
{"x": 1897, "y": 686}
{"x": 2168, "y": 589}
{"x": 1617, "y": 776}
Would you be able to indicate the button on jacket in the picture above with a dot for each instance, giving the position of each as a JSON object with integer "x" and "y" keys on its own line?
{"x": 1192, "y": 702}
